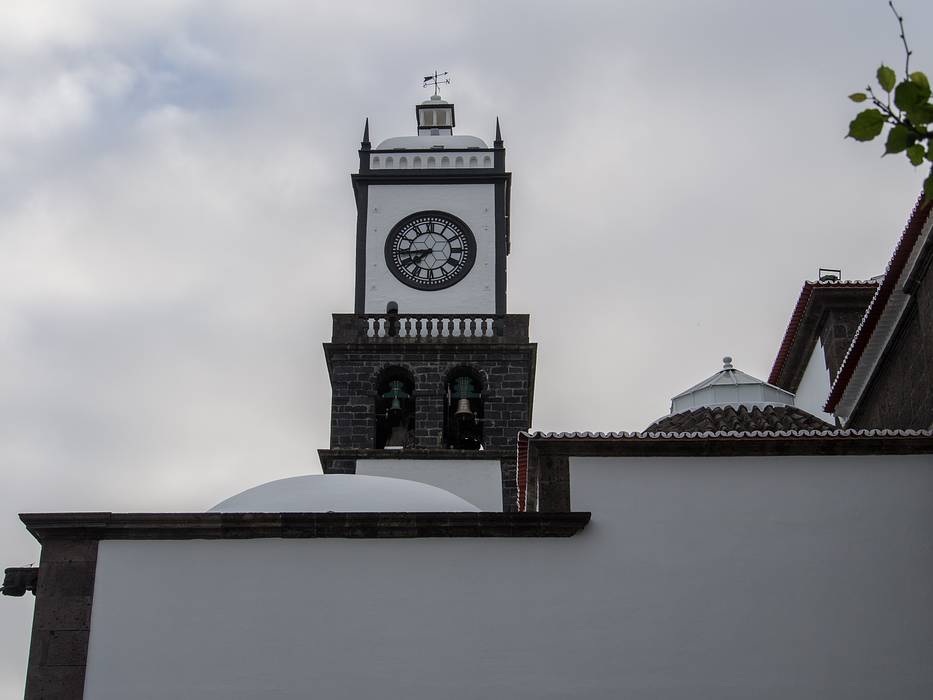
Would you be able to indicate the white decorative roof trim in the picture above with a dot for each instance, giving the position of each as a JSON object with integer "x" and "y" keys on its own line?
{"x": 795, "y": 434}
{"x": 843, "y": 283}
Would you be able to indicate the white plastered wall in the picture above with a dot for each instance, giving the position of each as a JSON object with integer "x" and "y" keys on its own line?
{"x": 389, "y": 204}
{"x": 478, "y": 481}
{"x": 814, "y": 385}
{"x": 698, "y": 579}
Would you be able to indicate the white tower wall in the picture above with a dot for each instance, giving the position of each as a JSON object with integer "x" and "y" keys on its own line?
{"x": 389, "y": 204}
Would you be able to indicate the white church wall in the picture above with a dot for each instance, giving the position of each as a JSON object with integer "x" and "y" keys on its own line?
{"x": 814, "y": 385}
{"x": 475, "y": 205}
{"x": 474, "y": 480}
{"x": 697, "y": 579}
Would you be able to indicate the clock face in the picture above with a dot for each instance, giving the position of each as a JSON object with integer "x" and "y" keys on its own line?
{"x": 430, "y": 250}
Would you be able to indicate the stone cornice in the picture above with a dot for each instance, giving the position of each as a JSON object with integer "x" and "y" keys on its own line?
{"x": 202, "y": 526}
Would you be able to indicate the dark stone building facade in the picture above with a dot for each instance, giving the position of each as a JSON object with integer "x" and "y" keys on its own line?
{"x": 900, "y": 394}
{"x": 876, "y": 338}
{"x": 886, "y": 378}
{"x": 495, "y": 351}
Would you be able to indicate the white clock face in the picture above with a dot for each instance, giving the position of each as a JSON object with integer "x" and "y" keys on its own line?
{"x": 430, "y": 250}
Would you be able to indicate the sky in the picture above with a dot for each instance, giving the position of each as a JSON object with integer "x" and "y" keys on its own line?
{"x": 177, "y": 222}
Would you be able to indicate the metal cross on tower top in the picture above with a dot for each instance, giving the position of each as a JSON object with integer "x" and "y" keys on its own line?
{"x": 437, "y": 79}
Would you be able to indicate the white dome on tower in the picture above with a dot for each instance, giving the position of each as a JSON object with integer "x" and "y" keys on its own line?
{"x": 428, "y": 141}
{"x": 344, "y": 493}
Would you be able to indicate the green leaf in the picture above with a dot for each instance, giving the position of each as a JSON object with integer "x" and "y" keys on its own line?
{"x": 866, "y": 125}
{"x": 915, "y": 154}
{"x": 899, "y": 138}
{"x": 920, "y": 80}
{"x": 858, "y": 97}
{"x": 909, "y": 96}
{"x": 886, "y": 78}
{"x": 921, "y": 116}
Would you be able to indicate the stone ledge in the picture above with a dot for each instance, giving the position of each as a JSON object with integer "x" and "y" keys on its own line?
{"x": 191, "y": 526}
{"x": 337, "y": 459}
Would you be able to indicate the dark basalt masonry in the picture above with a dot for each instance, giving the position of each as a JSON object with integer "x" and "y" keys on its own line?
{"x": 900, "y": 395}
{"x": 505, "y": 362}
{"x": 61, "y": 624}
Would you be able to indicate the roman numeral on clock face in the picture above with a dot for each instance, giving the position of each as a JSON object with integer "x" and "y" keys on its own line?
{"x": 430, "y": 250}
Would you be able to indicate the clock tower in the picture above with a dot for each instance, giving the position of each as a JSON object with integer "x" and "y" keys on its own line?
{"x": 431, "y": 377}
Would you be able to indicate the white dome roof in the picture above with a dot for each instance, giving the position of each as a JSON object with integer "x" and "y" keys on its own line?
{"x": 344, "y": 493}
{"x": 427, "y": 141}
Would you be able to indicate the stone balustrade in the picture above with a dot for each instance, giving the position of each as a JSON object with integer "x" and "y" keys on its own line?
{"x": 430, "y": 327}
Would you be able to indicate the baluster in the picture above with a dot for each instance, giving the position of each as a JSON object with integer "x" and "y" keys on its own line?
{"x": 445, "y": 324}
{"x": 369, "y": 327}
{"x": 381, "y": 328}
{"x": 468, "y": 329}
{"x": 434, "y": 327}
{"x": 404, "y": 327}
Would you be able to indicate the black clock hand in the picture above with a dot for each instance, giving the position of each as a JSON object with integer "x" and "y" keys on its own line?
{"x": 420, "y": 252}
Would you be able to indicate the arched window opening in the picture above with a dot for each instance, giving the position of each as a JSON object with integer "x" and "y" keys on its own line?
{"x": 432, "y": 162}
{"x": 459, "y": 162}
{"x": 417, "y": 162}
{"x": 463, "y": 419}
{"x": 403, "y": 162}
{"x": 474, "y": 163}
{"x": 395, "y": 410}
{"x": 445, "y": 162}
{"x": 487, "y": 162}
{"x": 392, "y": 308}
{"x": 390, "y": 162}
{"x": 375, "y": 161}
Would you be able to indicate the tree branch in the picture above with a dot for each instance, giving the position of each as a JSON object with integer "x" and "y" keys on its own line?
{"x": 907, "y": 51}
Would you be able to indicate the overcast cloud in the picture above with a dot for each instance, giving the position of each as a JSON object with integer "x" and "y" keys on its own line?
{"x": 177, "y": 222}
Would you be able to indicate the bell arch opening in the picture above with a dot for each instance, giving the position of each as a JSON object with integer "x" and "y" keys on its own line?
{"x": 463, "y": 415}
{"x": 394, "y": 409}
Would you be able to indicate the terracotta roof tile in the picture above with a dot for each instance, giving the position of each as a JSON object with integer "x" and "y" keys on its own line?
{"x": 742, "y": 419}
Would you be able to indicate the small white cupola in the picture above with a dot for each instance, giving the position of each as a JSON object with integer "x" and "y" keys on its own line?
{"x": 734, "y": 402}
{"x": 731, "y": 387}
{"x": 435, "y": 117}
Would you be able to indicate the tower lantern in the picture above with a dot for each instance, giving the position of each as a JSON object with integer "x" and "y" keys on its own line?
{"x": 435, "y": 117}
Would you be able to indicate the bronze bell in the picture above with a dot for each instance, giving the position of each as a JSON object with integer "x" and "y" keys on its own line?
{"x": 463, "y": 408}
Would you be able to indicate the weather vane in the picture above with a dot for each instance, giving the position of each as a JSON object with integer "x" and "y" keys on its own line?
{"x": 436, "y": 80}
